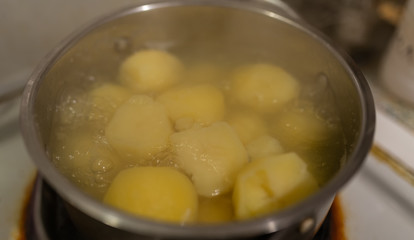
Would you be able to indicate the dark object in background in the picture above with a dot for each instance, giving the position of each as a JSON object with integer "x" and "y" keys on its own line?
{"x": 362, "y": 27}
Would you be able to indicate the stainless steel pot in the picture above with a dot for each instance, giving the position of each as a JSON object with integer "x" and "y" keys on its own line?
{"x": 258, "y": 29}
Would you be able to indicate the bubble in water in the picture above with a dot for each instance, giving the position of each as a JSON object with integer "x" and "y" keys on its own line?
{"x": 122, "y": 45}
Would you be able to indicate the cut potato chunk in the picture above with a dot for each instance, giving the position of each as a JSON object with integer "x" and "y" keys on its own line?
{"x": 203, "y": 104}
{"x": 263, "y": 146}
{"x": 264, "y": 87}
{"x": 247, "y": 125}
{"x": 303, "y": 129}
{"x": 161, "y": 193}
{"x": 150, "y": 70}
{"x": 139, "y": 129}
{"x": 271, "y": 183}
{"x": 105, "y": 100}
{"x": 215, "y": 210}
{"x": 212, "y": 156}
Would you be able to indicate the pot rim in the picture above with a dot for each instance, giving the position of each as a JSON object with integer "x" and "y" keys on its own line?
{"x": 267, "y": 224}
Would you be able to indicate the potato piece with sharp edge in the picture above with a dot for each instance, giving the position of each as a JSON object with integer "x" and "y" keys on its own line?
{"x": 139, "y": 129}
{"x": 271, "y": 183}
{"x": 264, "y": 87}
{"x": 150, "y": 70}
{"x": 212, "y": 156}
{"x": 203, "y": 104}
{"x": 160, "y": 193}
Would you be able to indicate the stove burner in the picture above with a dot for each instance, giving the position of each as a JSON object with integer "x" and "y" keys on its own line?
{"x": 47, "y": 219}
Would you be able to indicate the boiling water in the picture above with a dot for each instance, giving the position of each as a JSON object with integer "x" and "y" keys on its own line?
{"x": 80, "y": 150}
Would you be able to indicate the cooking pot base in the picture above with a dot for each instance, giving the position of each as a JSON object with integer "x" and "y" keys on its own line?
{"x": 46, "y": 217}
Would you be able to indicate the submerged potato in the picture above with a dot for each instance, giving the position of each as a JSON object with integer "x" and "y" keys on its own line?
{"x": 212, "y": 156}
{"x": 215, "y": 210}
{"x": 150, "y": 70}
{"x": 105, "y": 100}
{"x": 248, "y": 126}
{"x": 271, "y": 183}
{"x": 303, "y": 129}
{"x": 139, "y": 129}
{"x": 200, "y": 104}
{"x": 264, "y": 87}
{"x": 263, "y": 146}
{"x": 160, "y": 193}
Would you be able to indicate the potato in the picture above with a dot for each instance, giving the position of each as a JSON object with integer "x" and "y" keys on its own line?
{"x": 215, "y": 210}
{"x": 150, "y": 70}
{"x": 160, "y": 193}
{"x": 87, "y": 159}
{"x": 139, "y": 129}
{"x": 264, "y": 87}
{"x": 263, "y": 146}
{"x": 271, "y": 183}
{"x": 247, "y": 125}
{"x": 212, "y": 156}
{"x": 203, "y": 104}
{"x": 303, "y": 129}
{"x": 105, "y": 99}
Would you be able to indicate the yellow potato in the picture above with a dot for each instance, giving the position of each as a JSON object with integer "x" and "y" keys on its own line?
{"x": 247, "y": 125}
{"x": 303, "y": 129}
{"x": 150, "y": 70}
{"x": 139, "y": 129}
{"x": 105, "y": 99}
{"x": 212, "y": 156}
{"x": 271, "y": 183}
{"x": 263, "y": 146}
{"x": 215, "y": 210}
{"x": 264, "y": 87}
{"x": 160, "y": 193}
{"x": 203, "y": 104}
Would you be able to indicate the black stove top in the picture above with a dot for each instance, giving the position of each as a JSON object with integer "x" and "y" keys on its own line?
{"x": 47, "y": 219}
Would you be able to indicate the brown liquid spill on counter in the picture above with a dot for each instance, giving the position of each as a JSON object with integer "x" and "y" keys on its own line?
{"x": 24, "y": 213}
{"x": 337, "y": 220}
{"x": 336, "y": 228}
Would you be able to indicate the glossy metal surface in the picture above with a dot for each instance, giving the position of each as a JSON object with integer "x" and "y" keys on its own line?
{"x": 254, "y": 28}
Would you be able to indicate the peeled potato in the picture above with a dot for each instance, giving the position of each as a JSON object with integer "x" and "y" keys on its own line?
{"x": 150, "y": 70}
{"x": 203, "y": 104}
{"x": 215, "y": 210}
{"x": 212, "y": 156}
{"x": 303, "y": 129}
{"x": 271, "y": 183}
{"x": 264, "y": 87}
{"x": 139, "y": 129}
{"x": 160, "y": 193}
{"x": 86, "y": 159}
{"x": 105, "y": 99}
{"x": 247, "y": 125}
{"x": 263, "y": 146}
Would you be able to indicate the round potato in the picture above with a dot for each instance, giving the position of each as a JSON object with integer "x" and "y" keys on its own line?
{"x": 161, "y": 193}
{"x": 264, "y": 87}
{"x": 150, "y": 70}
